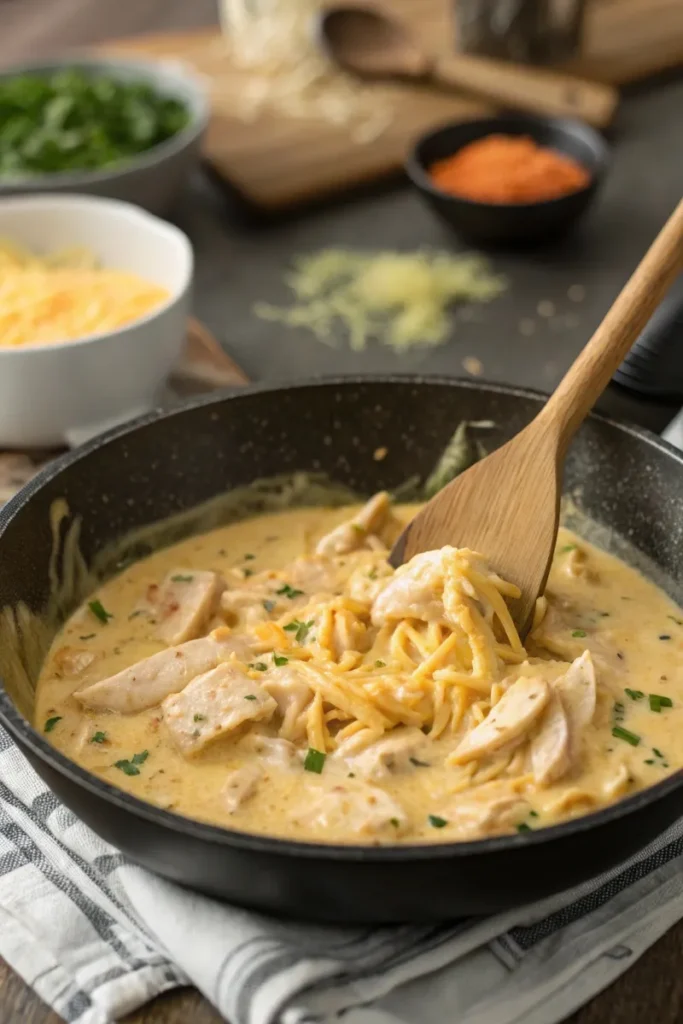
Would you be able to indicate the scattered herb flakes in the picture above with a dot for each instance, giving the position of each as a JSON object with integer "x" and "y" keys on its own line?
{"x": 618, "y": 710}
{"x": 567, "y": 547}
{"x": 88, "y": 636}
{"x": 372, "y": 575}
{"x": 634, "y": 694}
{"x": 51, "y": 723}
{"x": 436, "y": 822}
{"x": 579, "y": 632}
{"x": 134, "y": 615}
{"x": 259, "y": 666}
{"x": 127, "y": 767}
{"x": 141, "y": 757}
{"x": 248, "y": 557}
{"x": 351, "y": 775}
{"x": 279, "y": 660}
{"x": 299, "y": 628}
{"x": 380, "y": 664}
{"x": 523, "y": 827}
{"x": 98, "y": 737}
{"x": 650, "y": 760}
{"x": 657, "y": 702}
{"x": 290, "y": 592}
{"x": 623, "y": 734}
{"x": 419, "y": 764}
{"x": 182, "y": 579}
{"x": 664, "y": 636}
{"x": 533, "y": 814}
{"x": 199, "y": 718}
{"x": 269, "y": 605}
{"x": 250, "y": 696}
{"x": 247, "y": 573}
{"x": 395, "y": 822}
{"x": 315, "y": 761}
{"x": 657, "y": 753}
{"x": 99, "y": 611}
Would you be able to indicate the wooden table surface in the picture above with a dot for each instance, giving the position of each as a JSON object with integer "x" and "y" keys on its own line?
{"x": 652, "y": 990}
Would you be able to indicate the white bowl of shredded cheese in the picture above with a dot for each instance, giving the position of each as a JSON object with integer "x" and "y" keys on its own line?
{"x": 94, "y": 298}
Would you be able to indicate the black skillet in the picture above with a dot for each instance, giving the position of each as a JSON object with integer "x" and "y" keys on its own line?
{"x": 169, "y": 462}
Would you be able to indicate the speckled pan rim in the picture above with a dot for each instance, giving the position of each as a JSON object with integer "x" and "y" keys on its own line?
{"x": 23, "y": 731}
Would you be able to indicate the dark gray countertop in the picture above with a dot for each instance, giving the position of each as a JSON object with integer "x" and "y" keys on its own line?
{"x": 238, "y": 265}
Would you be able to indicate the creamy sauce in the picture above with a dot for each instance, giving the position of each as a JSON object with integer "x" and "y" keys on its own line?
{"x": 633, "y": 632}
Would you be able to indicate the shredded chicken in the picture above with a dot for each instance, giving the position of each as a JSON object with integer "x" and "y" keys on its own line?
{"x": 511, "y": 717}
{"x": 487, "y": 810}
{"x": 185, "y": 603}
{"x": 360, "y": 532}
{"x": 358, "y": 809}
{"x": 241, "y": 785}
{"x": 397, "y": 751}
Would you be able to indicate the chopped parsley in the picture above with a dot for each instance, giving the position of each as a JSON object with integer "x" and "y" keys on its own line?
{"x": 269, "y": 605}
{"x": 533, "y": 814}
{"x": 634, "y": 694}
{"x": 247, "y": 573}
{"x": 650, "y": 760}
{"x": 352, "y": 775}
{"x": 250, "y": 696}
{"x": 134, "y": 615}
{"x": 315, "y": 761}
{"x": 623, "y": 734}
{"x": 566, "y": 548}
{"x": 279, "y": 660}
{"x": 419, "y": 764}
{"x": 259, "y": 666}
{"x": 435, "y": 821}
{"x": 51, "y": 723}
{"x": 182, "y": 579}
{"x": 99, "y": 611}
{"x": 380, "y": 664}
{"x": 657, "y": 753}
{"x": 372, "y": 575}
{"x": 289, "y": 592}
{"x": 199, "y": 718}
{"x": 249, "y": 557}
{"x": 99, "y": 737}
{"x": 579, "y": 632}
{"x": 299, "y": 628}
{"x": 88, "y": 636}
{"x": 131, "y": 767}
{"x": 523, "y": 827}
{"x": 395, "y": 822}
{"x": 664, "y": 636}
{"x": 657, "y": 702}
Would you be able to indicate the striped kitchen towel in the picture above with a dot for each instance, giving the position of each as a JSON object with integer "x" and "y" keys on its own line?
{"x": 97, "y": 937}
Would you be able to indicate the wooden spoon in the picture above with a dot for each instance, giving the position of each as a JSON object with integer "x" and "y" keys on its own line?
{"x": 372, "y": 44}
{"x": 507, "y": 506}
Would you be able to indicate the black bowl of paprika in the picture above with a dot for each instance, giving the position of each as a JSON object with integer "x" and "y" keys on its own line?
{"x": 510, "y": 180}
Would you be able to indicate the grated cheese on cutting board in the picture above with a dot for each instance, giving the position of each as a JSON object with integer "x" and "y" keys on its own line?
{"x": 272, "y": 42}
{"x": 65, "y": 296}
{"x": 399, "y": 299}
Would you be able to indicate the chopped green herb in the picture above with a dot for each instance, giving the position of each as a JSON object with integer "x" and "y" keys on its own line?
{"x": 280, "y": 659}
{"x": 650, "y": 760}
{"x": 315, "y": 761}
{"x": 289, "y": 592}
{"x": 351, "y": 775}
{"x": 249, "y": 557}
{"x": 624, "y": 734}
{"x": 664, "y": 636}
{"x": 250, "y": 696}
{"x": 657, "y": 702}
{"x": 248, "y": 573}
{"x": 533, "y": 814}
{"x": 141, "y": 757}
{"x": 435, "y": 821}
{"x": 269, "y": 605}
{"x": 134, "y": 615}
{"x": 419, "y": 764}
{"x": 372, "y": 575}
{"x": 579, "y": 632}
{"x": 99, "y": 611}
{"x": 127, "y": 767}
{"x": 380, "y": 664}
{"x": 657, "y": 753}
{"x": 199, "y": 718}
{"x": 618, "y": 708}
{"x": 523, "y": 827}
{"x": 634, "y": 694}
{"x": 182, "y": 579}
{"x": 259, "y": 666}
{"x": 566, "y": 548}
{"x": 88, "y": 636}
{"x": 99, "y": 737}
{"x": 395, "y": 822}
{"x": 51, "y": 723}
{"x": 299, "y": 628}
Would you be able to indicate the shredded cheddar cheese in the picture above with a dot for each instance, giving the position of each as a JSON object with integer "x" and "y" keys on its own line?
{"x": 66, "y": 296}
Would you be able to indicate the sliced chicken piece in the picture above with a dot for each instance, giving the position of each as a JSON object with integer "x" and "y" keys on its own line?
{"x": 186, "y": 601}
{"x": 318, "y": 575}
{"x": 512, "y": 716}
{"x": 414, "y": 591}
{"x": 146, "y": 683}
{"x": 276, "y": 753}
{"x": 368, "y": 579}
{"x": 357, "y": 533}
{"x": 578, "y": 692}
{"x": 292, "y": 694}
{"x": 72, "y": 661}
{"x": 213, "y": 705}
{"x": 549, "y": 746}
{"x": 240, "y": 786}
{"x": 364, "y": 810}
{"x": 488, "y": 810}
{"x": 394, "y": 752}
{"x": 617, "y": 784}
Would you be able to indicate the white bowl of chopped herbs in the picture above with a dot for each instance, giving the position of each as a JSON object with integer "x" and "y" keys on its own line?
{"x": 124, "y": 129}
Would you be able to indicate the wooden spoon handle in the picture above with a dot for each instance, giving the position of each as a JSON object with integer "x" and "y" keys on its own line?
{"x": 533, "y": 90}
{"x": 595, "y": 365}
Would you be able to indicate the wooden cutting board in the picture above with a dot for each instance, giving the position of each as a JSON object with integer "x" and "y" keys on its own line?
{"x": 276, "y": 162}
